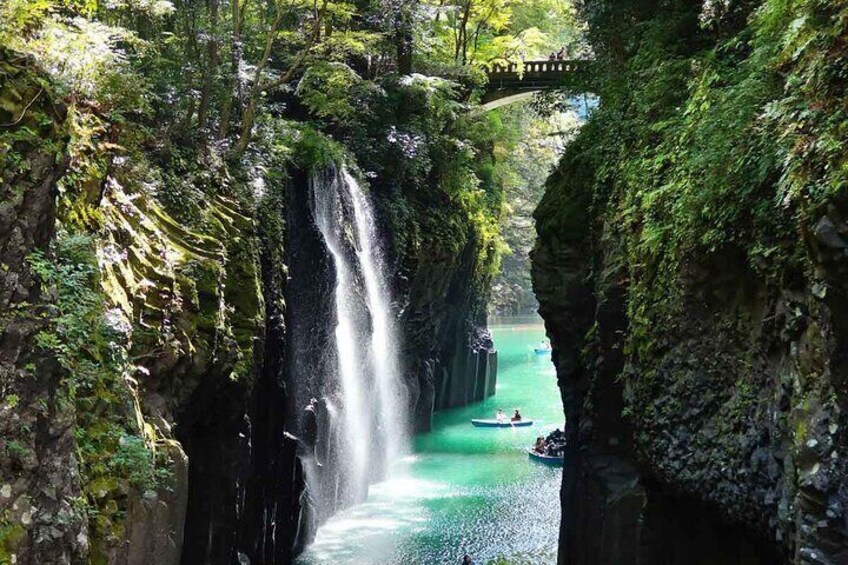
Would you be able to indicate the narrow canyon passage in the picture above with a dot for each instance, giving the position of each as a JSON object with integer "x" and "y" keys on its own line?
{"x": 465, "y": 489}
{"x": 253, "y": 254}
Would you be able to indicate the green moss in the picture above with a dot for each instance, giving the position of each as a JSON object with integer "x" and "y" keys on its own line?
{"x": 116, "y": 460}
{"x": 801, "y": 431}
{"x": 725, "y": 142}
{"x": 25, "y": 102}
{"x": 12, "y": 536}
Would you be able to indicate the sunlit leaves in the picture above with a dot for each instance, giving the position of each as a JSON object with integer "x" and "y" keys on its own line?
{"x": 326, "y": 88}
{"x": 79, "y": 53}
{"x": 487, "y": 31}
{"x": 154, "y": 8}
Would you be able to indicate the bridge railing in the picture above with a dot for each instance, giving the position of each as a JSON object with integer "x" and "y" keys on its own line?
{"x": 546, "y": 66}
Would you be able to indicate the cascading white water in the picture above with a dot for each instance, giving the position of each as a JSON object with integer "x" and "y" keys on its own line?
{"x": 384, "y": 354}
{"x": 330, "y": 221}
{"x": 372, "y": 403}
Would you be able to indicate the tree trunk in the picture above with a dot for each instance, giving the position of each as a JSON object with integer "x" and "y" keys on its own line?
{"x": 234, "y": 93}
{"x": 256, "y": 89}
{"x": 403, "y": 37}
{"x": 462, "y": 36}
{"x": 211, "y": 66}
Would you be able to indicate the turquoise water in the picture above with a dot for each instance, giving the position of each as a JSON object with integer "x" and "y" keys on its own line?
{"x": 465, "y": 489}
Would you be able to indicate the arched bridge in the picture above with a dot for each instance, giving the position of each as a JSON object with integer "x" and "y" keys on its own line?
{"x": 519, "y": 81}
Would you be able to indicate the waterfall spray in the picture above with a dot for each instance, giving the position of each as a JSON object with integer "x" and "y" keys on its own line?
{"x": 330, "y": 221}
{"x": 384, "y": 354}
{"x": 372, "y": 402}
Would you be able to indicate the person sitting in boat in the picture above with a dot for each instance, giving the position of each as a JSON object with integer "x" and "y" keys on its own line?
{"x": 540, "y": 445}
{"x": 500, "y": 416}
{"x": 516, "y": 416}
{"x": 555, "y": 443}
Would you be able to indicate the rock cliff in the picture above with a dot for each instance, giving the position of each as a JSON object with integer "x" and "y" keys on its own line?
{"x": 164, "y": 313}
{"x": 686, "y": 267}
{"x": 40, "y": 475}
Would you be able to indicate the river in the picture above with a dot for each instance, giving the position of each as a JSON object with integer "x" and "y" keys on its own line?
{"x": 465, "y": 489}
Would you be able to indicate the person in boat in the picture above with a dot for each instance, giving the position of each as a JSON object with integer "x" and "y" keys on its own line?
{"x": 516, "y": 416}
{"x": 555, "y": 443}
{"x": 500, "y": 416}
{"x": 540, "y": 445}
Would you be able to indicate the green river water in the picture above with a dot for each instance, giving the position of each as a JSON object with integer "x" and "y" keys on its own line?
{"x": 465, "y": 489}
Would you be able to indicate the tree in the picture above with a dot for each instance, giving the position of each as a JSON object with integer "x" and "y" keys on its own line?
{"x": 320, "y": 31}
{"x": 473, "y": 32}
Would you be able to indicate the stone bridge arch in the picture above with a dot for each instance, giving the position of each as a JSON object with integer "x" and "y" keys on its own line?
{"x": 519, "y": 81}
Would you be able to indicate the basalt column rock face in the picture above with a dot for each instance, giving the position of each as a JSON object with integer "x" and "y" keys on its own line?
{"x": 722, "y": 443}
{"x": 449, "y": 353}
{"x": 309, "y": 358}
{"x": 561, "y": 263}
{"x": 273, "y": 518}
{"x": 39, "y": 476}
{"x": 690, "y": 267}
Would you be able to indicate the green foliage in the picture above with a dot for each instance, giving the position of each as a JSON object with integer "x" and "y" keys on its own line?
{"x": 12, "y": 534}
{"x": 15, "y": 450}
{"x": 88, "y": 59}
{"x": 77, "y": 337}
{"x": 89, "y": 154}
{"x": 720, "y": 132}
{"x": 811, "y": 116}
{"x": 526, "y": 149}
{"x": 311, "y": 149}
{"x": 327, "y": 89}
{"x": 134, "y": 460}
{"x": 435, "y": 181}
{"x": 480, "y": 32}
{"x": 334, "y": 91}
{"x": 115, "y": 460}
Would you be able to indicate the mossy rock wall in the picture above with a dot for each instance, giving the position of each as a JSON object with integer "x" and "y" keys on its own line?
{"x": 688, "y": 267}
{"x": 39, "y": 478}
{"x": 194, "y": 308}
{"x": 182, "y": 299}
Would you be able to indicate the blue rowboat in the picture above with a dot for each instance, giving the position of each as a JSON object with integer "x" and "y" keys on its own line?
{"x": 503, "y": 424}
{"x": 550, "y": 460}
{"x": 542, "y": 351}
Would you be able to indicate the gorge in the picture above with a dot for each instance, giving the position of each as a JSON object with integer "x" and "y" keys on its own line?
{"x": 252, "y": 253}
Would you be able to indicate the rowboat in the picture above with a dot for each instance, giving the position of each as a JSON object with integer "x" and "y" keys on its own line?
{"x": 542, "y": 350}
{"x": 501, "y": 424}
{"x": 551, "y": 460}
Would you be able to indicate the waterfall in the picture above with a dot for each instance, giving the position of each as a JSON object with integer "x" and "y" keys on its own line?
{"x": 372, "y": 406}
{"x": 384, "y": 354}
